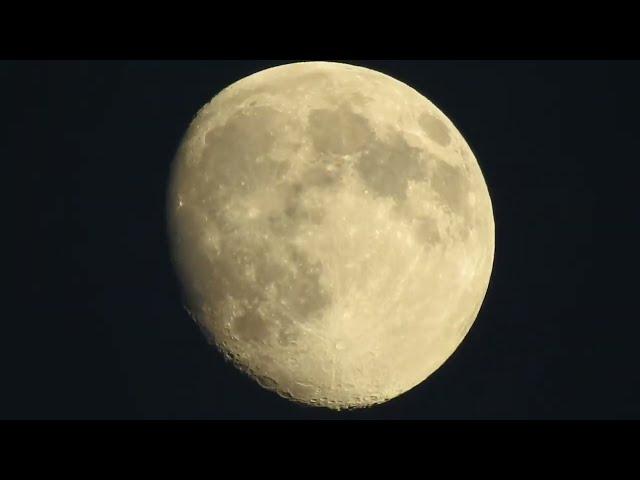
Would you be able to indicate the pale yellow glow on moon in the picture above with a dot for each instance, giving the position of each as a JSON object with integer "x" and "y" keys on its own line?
{"x": 332, "y": 230}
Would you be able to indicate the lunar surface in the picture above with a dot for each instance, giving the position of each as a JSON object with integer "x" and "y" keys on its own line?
{"x": 332, "y": 230}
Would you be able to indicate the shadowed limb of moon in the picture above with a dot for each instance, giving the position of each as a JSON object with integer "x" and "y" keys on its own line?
{"x": 332, "y": 231}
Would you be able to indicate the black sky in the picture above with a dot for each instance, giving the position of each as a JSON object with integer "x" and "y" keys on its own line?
{"x": 98, "y": 331}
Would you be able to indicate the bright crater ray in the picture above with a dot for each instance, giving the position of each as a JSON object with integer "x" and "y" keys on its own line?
{"x": 332, "y": 230}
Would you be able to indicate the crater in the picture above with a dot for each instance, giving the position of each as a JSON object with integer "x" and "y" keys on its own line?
{"x": 299, "y": 390}
{"x": 435, "y": 129}
{"x": 267, "y": 382}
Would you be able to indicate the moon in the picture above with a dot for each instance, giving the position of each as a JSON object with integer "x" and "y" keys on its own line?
{"x": 332, "y": 231}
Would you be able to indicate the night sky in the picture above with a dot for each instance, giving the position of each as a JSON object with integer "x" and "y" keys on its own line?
{"x": 99, "y": 331}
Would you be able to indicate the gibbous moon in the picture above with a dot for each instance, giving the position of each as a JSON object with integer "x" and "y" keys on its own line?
{"x": 332, "y": 230}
